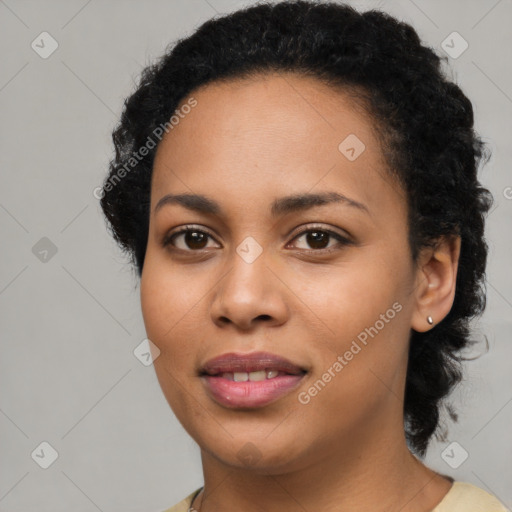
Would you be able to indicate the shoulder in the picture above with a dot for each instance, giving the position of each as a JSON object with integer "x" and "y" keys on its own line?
{"x": 462, "y": 497}
{"x": 466, "y": 497}
{"x": 184, "y": 504}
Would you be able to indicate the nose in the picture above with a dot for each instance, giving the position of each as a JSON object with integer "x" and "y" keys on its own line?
{"x": 248, "y": 294}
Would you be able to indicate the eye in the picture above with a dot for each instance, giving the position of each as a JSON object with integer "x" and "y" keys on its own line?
{"x": 319, "y": 239}
{"x": 193, "y": 238}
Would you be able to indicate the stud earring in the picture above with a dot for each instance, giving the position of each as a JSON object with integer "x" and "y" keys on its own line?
{"x": 429, "y": 320}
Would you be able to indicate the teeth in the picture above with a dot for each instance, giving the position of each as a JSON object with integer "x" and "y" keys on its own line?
{"x": 252, "y": 376}
{"x": 256, "y": 376}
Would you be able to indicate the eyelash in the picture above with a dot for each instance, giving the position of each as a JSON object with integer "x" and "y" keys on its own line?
{"x": 342, "y": 241}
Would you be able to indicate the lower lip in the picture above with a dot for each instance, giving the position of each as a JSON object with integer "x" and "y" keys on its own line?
{"x": 250, "y": 394}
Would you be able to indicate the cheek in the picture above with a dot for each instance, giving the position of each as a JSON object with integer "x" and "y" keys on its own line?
{"x": 360, "y": 373}
{"x": 167, "y": 304}
{"x": 170, "y": 300}
{"x": 349, "y": 297}
{"x": 360, "y": 314}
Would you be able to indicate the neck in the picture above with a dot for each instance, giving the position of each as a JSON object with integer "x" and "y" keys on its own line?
{"x": 383, "y": 475}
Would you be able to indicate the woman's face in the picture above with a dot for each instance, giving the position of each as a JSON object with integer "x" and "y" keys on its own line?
{"x": 261, "y": 273}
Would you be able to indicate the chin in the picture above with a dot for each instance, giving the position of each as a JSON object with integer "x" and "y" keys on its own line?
{"x": 260, "y": 454}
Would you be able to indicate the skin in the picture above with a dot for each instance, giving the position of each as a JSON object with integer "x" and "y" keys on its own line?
{"x": 246, "y": 143}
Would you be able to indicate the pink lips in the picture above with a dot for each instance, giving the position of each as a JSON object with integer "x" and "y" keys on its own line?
{"x": 249, "y": 380}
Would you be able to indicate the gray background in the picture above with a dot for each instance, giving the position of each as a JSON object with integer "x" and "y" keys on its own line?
{"x": 70, "y": 324}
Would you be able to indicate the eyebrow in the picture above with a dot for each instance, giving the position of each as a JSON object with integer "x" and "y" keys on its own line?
{"x": 281, "y": 206}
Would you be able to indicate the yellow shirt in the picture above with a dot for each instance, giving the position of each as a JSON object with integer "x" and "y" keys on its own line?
{"x": 462, "y": 497}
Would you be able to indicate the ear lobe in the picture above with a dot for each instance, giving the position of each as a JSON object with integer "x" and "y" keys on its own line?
{"x": 436, "y": 282}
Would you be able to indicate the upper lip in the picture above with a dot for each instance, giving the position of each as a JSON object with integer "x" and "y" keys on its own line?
{"x": 255, "y": 361}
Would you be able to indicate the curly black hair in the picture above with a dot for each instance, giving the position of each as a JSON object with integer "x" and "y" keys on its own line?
{"x": 425, "y": 126}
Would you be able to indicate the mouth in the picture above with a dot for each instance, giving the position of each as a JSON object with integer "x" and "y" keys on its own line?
{"x": 250, "y": 380}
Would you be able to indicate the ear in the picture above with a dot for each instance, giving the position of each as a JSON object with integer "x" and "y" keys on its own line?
{"x": 436, "y": 277}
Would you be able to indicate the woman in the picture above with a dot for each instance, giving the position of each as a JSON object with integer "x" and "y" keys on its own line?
{"x": 297, "y": 186}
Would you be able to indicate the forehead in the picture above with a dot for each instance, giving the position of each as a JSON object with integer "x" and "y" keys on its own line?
{"x": 270, "y": 111}
{"x": 279, "y": 131}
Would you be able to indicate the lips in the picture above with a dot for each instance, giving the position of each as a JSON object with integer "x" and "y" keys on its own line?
{"x": 248, "y": 363}
{"x": 249, "y": 380}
